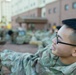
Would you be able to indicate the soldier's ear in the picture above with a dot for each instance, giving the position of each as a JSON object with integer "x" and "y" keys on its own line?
{"x": 74, "y": 52}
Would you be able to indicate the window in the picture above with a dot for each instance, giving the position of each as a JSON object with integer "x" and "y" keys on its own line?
{"x": 66, "y": 7}
{"x": 49, "y": 25}
{"x": 49, "y": 11}
{"x": 44, "y": 13}
{"x": 54, "y": 24}
{"x": 33, "y": 3}
{"x": 24, "y": 7}
{"x": 54, "y": 10}
{"x": 74, "y": 5}
{"x": 43, "y": 1}
{"x": 33, "y": 15}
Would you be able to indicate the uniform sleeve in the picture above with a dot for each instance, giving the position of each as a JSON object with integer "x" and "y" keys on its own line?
{"x": 14, "y": 61}
{"x": 73, "y": 72}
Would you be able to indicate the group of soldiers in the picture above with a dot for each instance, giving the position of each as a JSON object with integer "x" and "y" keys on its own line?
{"x": 58, "y": 58}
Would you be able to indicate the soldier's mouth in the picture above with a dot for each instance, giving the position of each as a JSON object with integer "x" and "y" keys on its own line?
{"x": 53, "y": 48}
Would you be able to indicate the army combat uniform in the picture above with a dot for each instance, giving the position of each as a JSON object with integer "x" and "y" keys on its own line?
{"x": 32, "y": 64}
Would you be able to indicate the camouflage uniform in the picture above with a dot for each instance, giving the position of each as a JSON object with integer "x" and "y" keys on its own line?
{"x": 32, "y": 64}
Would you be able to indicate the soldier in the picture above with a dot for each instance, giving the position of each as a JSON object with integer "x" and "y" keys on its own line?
{"x": 60, "y": 60}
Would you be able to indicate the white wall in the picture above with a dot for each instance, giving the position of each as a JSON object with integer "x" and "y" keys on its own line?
{"x": 42, "y": 3}
{"x": 5, "y": 10}
{"x": 43, "y": 12}
{"x": 0, "y": 10}
{"x": 20, "y": 6}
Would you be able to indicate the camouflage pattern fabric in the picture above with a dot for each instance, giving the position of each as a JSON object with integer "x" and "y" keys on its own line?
{"x": 32, "y": 64}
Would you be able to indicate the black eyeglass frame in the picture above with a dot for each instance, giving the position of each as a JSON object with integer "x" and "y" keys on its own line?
{"x": 63, "y": 42}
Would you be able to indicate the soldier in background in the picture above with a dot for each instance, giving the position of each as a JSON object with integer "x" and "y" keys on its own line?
{"x": 60, "y": 59}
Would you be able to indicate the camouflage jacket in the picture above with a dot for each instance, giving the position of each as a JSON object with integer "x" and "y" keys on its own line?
{"x": 32, "y": 64}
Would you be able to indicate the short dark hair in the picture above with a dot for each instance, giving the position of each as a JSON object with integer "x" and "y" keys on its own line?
{"x": 58, "y": 27}
{"x": 10, "y": 32}
{"x": 71, "y": 23}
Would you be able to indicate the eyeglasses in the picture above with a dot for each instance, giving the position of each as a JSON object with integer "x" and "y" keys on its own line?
{"x": 58, "y": 41}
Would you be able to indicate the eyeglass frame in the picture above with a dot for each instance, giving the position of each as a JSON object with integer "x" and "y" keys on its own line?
{"x": 63, "y": 42}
